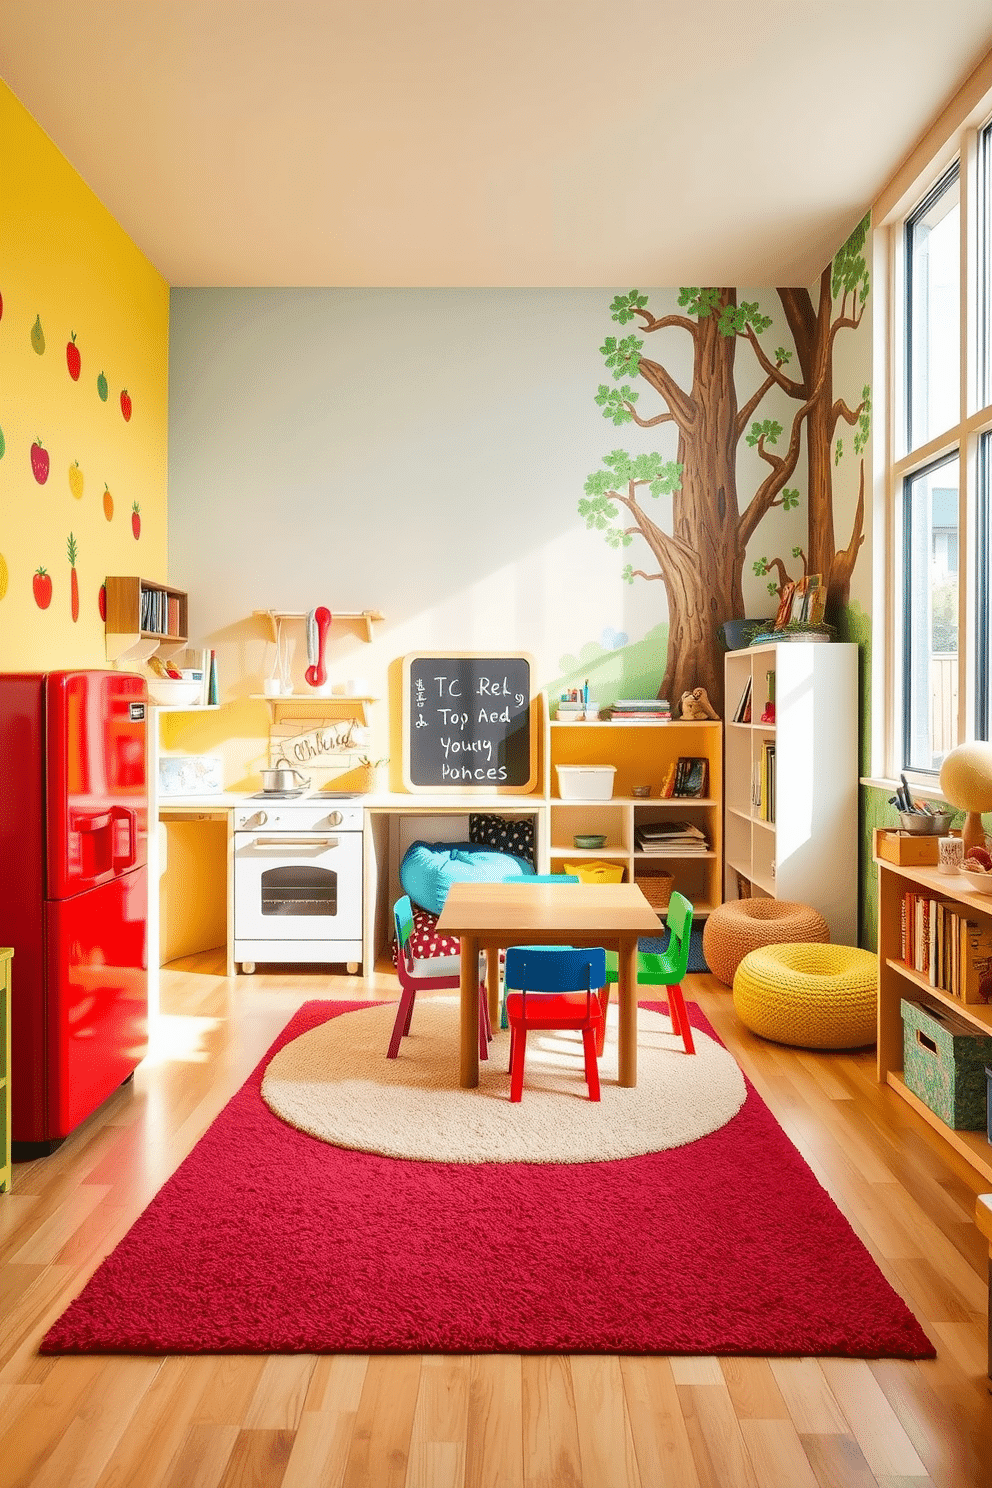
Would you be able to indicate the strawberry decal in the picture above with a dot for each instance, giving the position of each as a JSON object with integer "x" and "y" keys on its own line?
{"x": 101, "y": 601}
{"x": 126, "y": 405}
{"x": 39, "y": 462}
{"x": 72, "y": 358}
{"x": 108, "y": 503}
{"x": 42, "y": 586}
{"x": 101, "y": 387}
{"x": 136, "y": 520}
{"x": 73, "y": 579}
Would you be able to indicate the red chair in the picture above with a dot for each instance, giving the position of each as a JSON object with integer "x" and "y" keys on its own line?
{"x": 431, "y": 974}
{"x": 554, "y": 987}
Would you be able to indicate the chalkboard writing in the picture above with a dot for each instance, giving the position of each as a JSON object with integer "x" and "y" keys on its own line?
{"x": 467, "y": 722}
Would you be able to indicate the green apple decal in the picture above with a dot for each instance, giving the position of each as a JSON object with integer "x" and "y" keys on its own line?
{"x": 101, "y": 387}
{"x": 38, "y": 336}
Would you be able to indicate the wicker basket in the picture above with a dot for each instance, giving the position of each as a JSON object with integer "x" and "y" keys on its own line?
{"x": 656, "y": 887}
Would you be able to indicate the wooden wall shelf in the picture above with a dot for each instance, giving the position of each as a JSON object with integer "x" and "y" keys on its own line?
{"x": 364, "y": 618}
{"x": 126, "y": 637}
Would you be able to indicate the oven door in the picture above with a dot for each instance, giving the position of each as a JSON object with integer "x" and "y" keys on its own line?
{"x": 298, "y": 886}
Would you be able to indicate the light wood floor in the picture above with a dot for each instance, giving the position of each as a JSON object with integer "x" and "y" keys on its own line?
{"x": 505, "y": 1421}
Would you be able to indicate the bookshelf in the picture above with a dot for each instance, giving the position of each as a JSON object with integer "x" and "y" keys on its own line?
{"x": 897, "y": 980}
{"x": 642, "y": 754}
{"x": 791, "y": 778}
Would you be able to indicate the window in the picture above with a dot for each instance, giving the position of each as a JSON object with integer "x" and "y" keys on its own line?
{"x": 933, "y": 314}
{"x": 941, "y": 472}
{"x": 930, "y": 622}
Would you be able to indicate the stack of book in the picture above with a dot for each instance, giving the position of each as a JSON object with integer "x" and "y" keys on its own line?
{"x": 670, "y": 837}
{"x": 640, "y": 710}
{"x": 942, "y": 944}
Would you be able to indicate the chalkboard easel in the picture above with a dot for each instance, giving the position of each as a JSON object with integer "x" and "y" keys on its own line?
{"x": 468, "y": 722}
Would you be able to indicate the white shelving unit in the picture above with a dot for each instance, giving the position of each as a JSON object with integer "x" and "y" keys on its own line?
{"x": 804, "y": 846}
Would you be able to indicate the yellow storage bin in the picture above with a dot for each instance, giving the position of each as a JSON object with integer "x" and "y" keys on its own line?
{"x": 592, "y": 870}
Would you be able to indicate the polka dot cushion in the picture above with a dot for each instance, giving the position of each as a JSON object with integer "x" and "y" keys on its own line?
{"x": 808, "y": 995}
{"x": 425, "y": 940}
{"x": 511, "y": 834}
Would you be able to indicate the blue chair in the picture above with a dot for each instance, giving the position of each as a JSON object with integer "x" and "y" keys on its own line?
{"x": 667, "y": 968}
{"x": 431, "y": 974}
{"x": 534, "y": 878}
{"x": 554, "y": 987}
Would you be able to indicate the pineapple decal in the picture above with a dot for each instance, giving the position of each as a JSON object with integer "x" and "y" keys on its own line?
{"x": 73, "y": 579}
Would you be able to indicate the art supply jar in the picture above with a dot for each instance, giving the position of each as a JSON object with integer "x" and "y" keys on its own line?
{"x": 950, "y": 854}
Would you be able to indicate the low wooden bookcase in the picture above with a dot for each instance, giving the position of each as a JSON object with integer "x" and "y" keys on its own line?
{"x": 897, "y": 980}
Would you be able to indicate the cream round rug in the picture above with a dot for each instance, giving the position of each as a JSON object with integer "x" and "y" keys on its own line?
{"x": 336, "y": 1083}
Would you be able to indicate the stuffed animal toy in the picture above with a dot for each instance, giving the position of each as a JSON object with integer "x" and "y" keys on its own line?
{"x": 696, "y": 704}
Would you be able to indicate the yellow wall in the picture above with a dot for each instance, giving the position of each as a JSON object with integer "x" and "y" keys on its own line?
{"x": 65, "y": 260}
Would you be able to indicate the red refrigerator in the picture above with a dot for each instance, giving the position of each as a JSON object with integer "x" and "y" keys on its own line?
{"x": 73, "y": 893}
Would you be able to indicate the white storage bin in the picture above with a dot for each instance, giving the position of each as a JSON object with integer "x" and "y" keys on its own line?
{"x": 585, "y": 782}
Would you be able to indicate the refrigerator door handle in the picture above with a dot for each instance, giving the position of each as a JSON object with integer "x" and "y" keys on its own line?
{"x": 92, "y": 823}
{"x": 127, "y": 859}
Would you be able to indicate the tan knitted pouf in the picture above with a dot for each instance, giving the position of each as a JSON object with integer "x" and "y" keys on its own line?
{"x": 811, "y": 996}
{"x": 743, "y": 925}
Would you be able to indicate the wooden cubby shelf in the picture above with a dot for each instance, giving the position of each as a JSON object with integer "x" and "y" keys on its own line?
{"x": 126, "y": 637}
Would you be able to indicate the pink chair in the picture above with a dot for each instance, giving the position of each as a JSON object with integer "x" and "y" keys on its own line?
{"x": 431, "y": 974}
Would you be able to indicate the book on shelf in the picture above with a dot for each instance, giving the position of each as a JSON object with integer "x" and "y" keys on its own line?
{"x": 666, "y": 837}
{"x": 640, "y": 710}
{"x": 691, "y": 775}
{"x": 940, "y": 942}
{"x": 742, "y": 713}
{"x": 668, "y": 784}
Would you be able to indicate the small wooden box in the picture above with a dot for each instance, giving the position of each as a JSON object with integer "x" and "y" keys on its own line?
{"x": 906, "y": 847}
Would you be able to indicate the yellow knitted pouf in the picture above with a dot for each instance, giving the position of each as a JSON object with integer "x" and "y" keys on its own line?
{"x": 743, "y": 925}
{"x": 812, "y": 996}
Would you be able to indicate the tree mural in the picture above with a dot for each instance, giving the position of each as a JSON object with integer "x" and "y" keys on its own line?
{"x": 700, "y": 555}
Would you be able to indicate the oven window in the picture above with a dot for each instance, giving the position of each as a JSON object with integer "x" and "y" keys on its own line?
{"x": 299, "y": 890}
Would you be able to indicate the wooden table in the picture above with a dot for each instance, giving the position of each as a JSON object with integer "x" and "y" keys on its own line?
{"x": 492, "y": 916}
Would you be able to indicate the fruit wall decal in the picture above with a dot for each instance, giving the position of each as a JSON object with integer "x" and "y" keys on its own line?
{"x": 72, "y": 358}
{"x": 38, "y": 336}
{"x": 101, "y": 387}
{"x": 42, "y": 586}
{"x": 108, "y": 503}
{"x": 76, "y": 480}
{"x": 101, "y": 601}
{"x": 1, "y": 307}
{"x": 73, "y": 579}
{"x": 126, "y": 405}
{"x": 4, "y": 576}
{"x": 136, "y": 520}
{"x": 39, "y": 462}
{"x": 2, "y": 445}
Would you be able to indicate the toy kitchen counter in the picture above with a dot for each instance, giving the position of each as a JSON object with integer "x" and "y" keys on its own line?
{"x": 298, "y": 877}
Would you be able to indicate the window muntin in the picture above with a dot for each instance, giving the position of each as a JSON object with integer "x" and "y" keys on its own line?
{"x": 983, "y": 590}
{"x": 933, "y": 312}
{"x": 930, "y": 618}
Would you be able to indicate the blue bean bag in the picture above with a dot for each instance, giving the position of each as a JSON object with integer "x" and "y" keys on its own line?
{"x": 429, "y": 868}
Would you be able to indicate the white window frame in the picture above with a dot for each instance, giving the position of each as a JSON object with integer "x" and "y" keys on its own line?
{"x": 955, "y": 136}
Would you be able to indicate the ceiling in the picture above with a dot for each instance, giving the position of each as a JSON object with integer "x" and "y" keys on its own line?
{"x": 530, "y": 142}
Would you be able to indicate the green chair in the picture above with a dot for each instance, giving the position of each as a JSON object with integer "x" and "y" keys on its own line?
{"x": 667, "y": 968}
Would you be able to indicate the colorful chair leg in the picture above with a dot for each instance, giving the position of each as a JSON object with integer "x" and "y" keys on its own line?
{"x": 667, "y": 968}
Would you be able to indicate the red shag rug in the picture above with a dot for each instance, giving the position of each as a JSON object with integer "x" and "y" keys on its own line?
{"x": 266, "y": 1240}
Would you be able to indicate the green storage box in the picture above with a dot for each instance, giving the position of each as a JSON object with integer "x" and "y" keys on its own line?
{"x": 944, "y": 1059}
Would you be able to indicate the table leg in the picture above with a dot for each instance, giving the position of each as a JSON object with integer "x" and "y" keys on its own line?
{"x": 468, "y": 1073}
{"x": 627, "y": 998}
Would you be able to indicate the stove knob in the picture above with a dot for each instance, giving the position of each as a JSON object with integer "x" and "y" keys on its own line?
{"x": 334, "y": 818}
{"x": 260, "y": 818}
